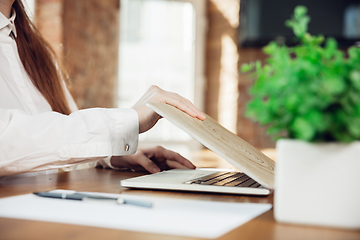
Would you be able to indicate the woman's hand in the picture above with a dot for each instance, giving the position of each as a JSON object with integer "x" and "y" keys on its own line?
{"x": 148, "y": 117}
{"x": 152, "y": 160}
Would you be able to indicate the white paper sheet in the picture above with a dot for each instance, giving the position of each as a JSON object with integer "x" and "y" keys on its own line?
{"x": 203, "y": 219}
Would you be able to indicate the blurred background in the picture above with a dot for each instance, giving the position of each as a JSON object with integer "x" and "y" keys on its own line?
{"x": 114, "y": 50}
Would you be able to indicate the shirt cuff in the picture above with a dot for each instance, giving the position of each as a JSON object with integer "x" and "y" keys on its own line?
{"x": 129, "y": 143}
{"x": 126, "y": 135}
{"x": 120, "y": 136}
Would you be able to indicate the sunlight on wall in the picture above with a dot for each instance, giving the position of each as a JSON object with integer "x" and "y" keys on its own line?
{"x": 228, "y": 92}
{"x": 230, "y": 8}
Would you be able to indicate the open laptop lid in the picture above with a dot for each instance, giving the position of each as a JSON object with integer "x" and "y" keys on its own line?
{"x": 223, "y": 142}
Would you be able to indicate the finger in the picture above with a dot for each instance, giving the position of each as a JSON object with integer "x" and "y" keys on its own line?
{"x": 199, "y": 114}
{"x": 177, "y": 101}
{"x": 173, "y": 156}
{"x": 160, "y": 155}
{"x": 186, "y": 106}
{"x": 146, "y": 163}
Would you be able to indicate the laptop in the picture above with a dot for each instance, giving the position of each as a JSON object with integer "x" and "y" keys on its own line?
{"x": 256, "y": 178}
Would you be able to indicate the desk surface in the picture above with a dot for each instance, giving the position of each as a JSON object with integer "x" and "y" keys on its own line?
{"x": 102, "y": 180}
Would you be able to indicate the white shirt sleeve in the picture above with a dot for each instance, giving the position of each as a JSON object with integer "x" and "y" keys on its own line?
{"x": 51, "y": 140}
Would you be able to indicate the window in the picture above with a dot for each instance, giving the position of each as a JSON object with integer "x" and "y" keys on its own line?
{"x": 161, "y": 43}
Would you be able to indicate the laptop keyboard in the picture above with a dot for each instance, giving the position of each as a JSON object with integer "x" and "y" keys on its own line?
{"x": 227, "y": 179}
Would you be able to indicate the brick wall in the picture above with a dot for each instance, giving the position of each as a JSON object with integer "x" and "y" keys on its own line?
{"x": 91, "y": 46}
{"x": 48, "y": 19}
{"x": 85, "y": 35}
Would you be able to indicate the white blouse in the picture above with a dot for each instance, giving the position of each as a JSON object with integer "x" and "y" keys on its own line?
{"x": 34, "y": 138}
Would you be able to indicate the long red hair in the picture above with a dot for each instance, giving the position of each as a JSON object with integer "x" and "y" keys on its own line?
{"x": 39, "y": 60}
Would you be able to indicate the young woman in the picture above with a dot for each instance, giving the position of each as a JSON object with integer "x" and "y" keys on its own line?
{"x": 40, "y": 126}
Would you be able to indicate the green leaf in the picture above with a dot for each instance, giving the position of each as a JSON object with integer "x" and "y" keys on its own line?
{"x": 302, "y": 129}
{"x": 354, "y": 129}
{"x": 274, "y": 130}
{"x": 354, "y": 53}
{"x": 316, "y": 119}
{"x": 343, "y": 137}
{"x": 292, "y": 102}
{"x": 271, "y": 48}
{"x": 334, "y": 85}
{"x": 247, "y": 67}
{"x": 299, "y": 21}
{"x": 258, "y": 66}
{"x": 300, "y": 11}
{"x": 330, "y": 48}
{"x": 354, "y": 77}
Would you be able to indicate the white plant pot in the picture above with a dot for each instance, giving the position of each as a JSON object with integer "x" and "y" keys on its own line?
{"x": 318, "y": 184}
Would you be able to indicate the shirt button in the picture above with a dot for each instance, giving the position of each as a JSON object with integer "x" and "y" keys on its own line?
{"x": 127, "y": 147}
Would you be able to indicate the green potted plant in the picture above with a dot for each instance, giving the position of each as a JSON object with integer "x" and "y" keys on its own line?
{"x": 308, "y": 96}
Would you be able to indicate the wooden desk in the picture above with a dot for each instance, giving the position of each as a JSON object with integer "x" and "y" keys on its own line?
{"x": 102, "y": 180}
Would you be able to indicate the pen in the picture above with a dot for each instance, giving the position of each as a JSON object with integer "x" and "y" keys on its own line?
{"x": 86, "y": 197}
